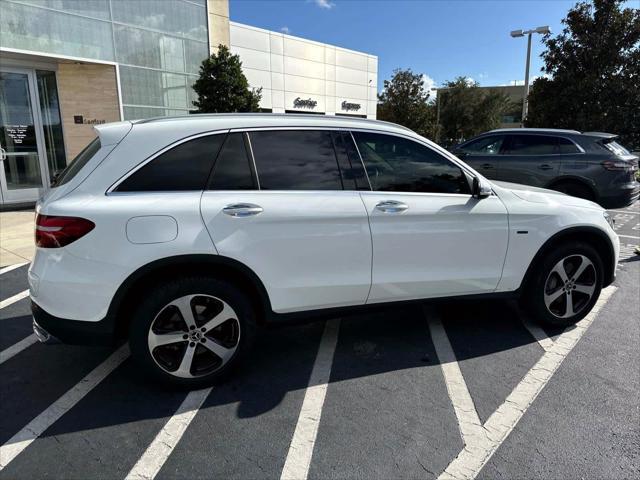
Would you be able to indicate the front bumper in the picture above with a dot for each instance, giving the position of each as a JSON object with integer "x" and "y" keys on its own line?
{"x": 50, "y": 329}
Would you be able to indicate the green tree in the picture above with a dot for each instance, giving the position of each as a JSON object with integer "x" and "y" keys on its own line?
{"x": 466, "y": 110}
{"x": 222, "y": 87}
{"x": 404, "y": 101}
{"x": 593, "y": 73}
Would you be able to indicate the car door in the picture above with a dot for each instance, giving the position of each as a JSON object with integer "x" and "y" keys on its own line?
{"x": 277, "y": 204}
{"x": 482, "y": 154}
{"x": 430, "y": 237}
{"x": 530, "y": 159}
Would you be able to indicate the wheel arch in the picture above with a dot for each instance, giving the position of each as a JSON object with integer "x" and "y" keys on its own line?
{"x": 585, "y": 182}
{"x": 218, "y": 266}
{"x": 591, "y": 235}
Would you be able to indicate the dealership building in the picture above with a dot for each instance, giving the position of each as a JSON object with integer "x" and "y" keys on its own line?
{"x": 66, "y": 65}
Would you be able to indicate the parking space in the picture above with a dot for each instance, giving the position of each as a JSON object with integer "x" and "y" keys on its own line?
{"x": 453, "y": 390}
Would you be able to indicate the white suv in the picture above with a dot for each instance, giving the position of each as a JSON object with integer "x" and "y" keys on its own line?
{"x": 185, "y": 235}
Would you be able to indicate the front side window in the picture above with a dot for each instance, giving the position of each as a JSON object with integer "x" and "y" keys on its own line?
{"x": 400, "y": 165}
{"x": 184, "y": 167}
{"x": 295, "y": 160}
{"x": 531, "y": 145}
{"x": 484, "y": 146}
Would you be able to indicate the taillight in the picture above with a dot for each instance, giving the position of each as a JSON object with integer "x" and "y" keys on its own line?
{"x": 56, "y": 232}
{"x": 617, "y": 165}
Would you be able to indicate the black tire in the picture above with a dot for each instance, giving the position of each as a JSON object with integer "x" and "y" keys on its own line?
{"x": 210, "y": 295}
{"x": 545, "y": 283}
{"x": 575, "y": 189}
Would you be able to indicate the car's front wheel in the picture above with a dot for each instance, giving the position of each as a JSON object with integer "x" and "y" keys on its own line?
{"x": 190, "y": 332}
{"x": 565, "y": 285}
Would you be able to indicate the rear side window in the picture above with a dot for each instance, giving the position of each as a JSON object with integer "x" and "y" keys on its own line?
{"x": 531, "y": 145}
{"x": 567, "y": 146}
{"x": 295, "y": 160}
{"x": 484, "y": 146}
{"x": 77, "y": 163}
{"x": 184, "y": 167}
{"x": 232, "y": 170}
{"x": 396, "y": 164}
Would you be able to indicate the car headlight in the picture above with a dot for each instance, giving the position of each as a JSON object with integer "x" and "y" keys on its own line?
{"x": 609, "y": 219}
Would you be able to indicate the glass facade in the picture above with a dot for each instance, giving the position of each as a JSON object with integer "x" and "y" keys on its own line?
{"x": 159, "y": 44}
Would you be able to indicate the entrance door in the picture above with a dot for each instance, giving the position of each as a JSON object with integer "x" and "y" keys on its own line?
{"x": 22, "y": 163}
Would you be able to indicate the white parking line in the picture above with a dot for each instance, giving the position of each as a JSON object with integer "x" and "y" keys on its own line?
{"x": 21, "y": 440}
{"x": 538, "y": 333}
{"x": 465, "y": 410}
{"x": 12, "y": 267}
{"x": 16, "y": 298}
{"x": 629, "y": 236}
{"x": 296, "y": 465}
{"x": 148, "y": 466}
{"x": 16, "y": 348}
{"x": 475, "y": 454}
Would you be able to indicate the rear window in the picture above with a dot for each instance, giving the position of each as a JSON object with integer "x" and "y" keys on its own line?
{"x": 183, "y": 168}
{"x": 616, "y": 148}
{"x": 567, "y": 146}
{"x": 295, "y": 160}
{"x": 77, "y": 163}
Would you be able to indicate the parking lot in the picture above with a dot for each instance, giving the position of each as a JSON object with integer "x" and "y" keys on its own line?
{"x": 450, "y": 390}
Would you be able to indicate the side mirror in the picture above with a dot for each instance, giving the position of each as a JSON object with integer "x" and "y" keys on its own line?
{"x": 480, "y": 189}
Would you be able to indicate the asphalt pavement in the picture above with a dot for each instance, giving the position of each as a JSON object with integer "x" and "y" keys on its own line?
{"x": 461, "y": 389}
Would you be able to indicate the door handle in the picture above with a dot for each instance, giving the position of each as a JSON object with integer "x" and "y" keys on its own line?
{"x": 242, "y": 209}
{"x": 486, "y": 166}
{"x": 545, "y": 166}
{"x": 392, "y": 206}
{"x": 3, "y": 154}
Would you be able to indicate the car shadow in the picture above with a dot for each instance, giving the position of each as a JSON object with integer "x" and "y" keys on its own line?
{"x": 378, "y": 342}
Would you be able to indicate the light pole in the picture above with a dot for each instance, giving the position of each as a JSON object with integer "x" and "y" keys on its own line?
{"x": 519, "y": 33}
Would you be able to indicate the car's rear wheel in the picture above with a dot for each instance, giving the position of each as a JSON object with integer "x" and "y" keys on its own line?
{"x": 574, "y": 189}
{"x": 191, "y": 332}
{"x": 565, "y": 286}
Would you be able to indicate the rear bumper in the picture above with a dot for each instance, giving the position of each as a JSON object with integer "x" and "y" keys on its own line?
{"x": 623, "y": 198}
{"x": 50, "y": 329}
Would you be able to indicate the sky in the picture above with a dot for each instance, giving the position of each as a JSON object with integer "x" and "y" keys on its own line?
{"x": 438, "y": 38}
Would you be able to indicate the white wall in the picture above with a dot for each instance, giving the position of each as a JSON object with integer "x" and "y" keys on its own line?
{"x": 289, "y": 68}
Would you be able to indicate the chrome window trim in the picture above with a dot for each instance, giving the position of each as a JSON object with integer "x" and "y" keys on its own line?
{"x": 116, "y": 184}
{"x": 253, "y": 158}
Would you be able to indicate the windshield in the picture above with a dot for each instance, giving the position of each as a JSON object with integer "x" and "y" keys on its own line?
{"x": 77, "y": 163}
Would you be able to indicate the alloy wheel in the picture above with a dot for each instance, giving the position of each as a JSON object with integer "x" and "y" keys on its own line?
{"x": 194, "y": 335}
{"x": 570, "y": 286}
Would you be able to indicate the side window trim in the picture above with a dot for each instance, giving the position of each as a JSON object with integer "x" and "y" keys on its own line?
{"x": 112, "y": 190}
{"x": 366, "y": 174}
{"x": 252, "y": 158}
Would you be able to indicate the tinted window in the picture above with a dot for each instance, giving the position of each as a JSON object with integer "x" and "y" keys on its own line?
{"x": 398, "y": 164}
{"x": 232, "y": 170}
{"x": 184, "y": 167}
{"x": 566, "y": 146}
{"x": 295, "y": 160}
{"x": 353, "y": 176}
{"x": 531, "y": 145}
{"x": 77, "y": 163}
{"x": 484, "y": 146}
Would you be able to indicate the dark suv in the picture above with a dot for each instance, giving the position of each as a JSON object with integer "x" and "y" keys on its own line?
{"x": 589, "y": 165}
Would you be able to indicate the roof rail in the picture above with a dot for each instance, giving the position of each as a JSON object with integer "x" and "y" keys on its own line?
{"x": 327, "y": 118}
{"x": 536, "y": 130}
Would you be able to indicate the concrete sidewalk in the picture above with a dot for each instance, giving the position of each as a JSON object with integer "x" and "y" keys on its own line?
{"x": 16, "y": 237}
